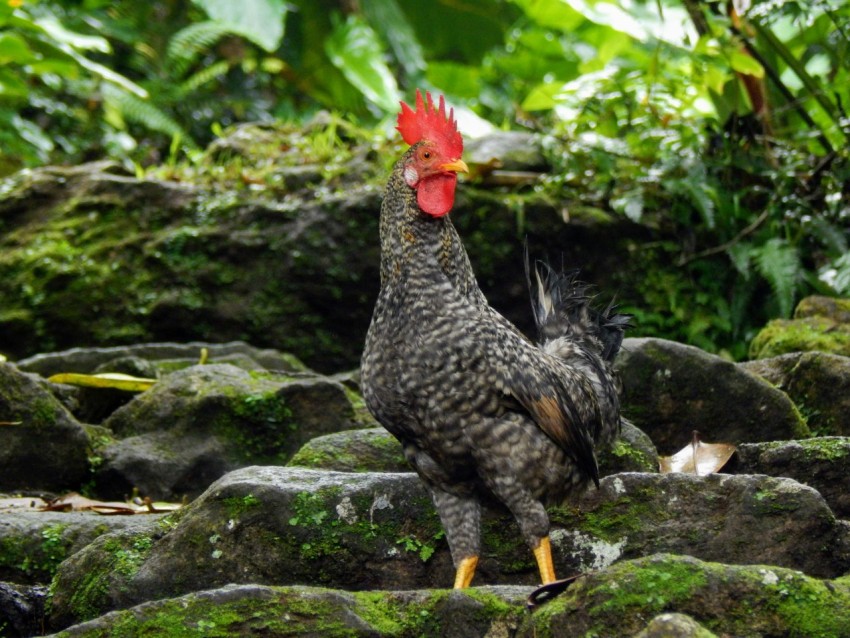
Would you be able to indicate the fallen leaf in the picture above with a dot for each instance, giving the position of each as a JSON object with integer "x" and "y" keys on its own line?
{"x": 697, "y": 458}
{"x": 11, "y": 422}
{"x": 114, "y": 380}
{"x": 73, "y": 502}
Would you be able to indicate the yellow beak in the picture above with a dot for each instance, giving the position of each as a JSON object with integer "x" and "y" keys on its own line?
{"x": 458, "y": 166}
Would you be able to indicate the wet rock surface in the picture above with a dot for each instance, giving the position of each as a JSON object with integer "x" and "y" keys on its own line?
{"x": 302, "y": 511}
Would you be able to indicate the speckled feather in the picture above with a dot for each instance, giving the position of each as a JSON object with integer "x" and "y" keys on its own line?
{"x": 481, "y": 411}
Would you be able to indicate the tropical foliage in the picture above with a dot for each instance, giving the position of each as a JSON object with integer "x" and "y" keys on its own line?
{"x": 724, "y": 125}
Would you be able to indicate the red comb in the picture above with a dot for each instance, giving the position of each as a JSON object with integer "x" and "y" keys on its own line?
{"x": 430, "y": 123}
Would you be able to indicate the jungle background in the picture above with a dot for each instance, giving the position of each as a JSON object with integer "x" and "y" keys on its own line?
{"x": 720, "y": 129}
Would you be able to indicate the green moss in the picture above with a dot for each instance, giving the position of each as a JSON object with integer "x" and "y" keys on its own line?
{"x": 650, "y": 590}
{"x": 201, "y": 617}
{"x": 826, "y": 448}
{"x": 13, "y": 555}
{"x": 320, "y": 530}
{"x": 800, "y": 335}
{"x": 19, "y": 556}
{"x": 726, "y": 599}
{"x": 767, "y": 502}
{"x": 238, "y": 505}
{"x": 501, "y": 538}
{"x": 635, "y": 459}
{"x": 809, "y": 607}
{"x": 260, "y": 424}
{"x": 611, "y": 520}
{"x": 124, "y": 555}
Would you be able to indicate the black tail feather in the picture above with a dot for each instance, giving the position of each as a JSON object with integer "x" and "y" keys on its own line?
{"x": 561, "y": 307}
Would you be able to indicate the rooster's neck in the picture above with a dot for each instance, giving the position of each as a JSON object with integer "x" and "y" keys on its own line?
{"x": 410, "y": 238}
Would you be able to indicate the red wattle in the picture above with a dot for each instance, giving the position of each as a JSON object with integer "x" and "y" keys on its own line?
{"x": 436, "y": 194}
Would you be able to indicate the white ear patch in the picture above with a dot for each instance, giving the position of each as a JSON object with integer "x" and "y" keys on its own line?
{"x": 411, "y": 176}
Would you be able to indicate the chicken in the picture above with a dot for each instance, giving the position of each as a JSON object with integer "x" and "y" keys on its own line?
{"x": 480, "y": 410}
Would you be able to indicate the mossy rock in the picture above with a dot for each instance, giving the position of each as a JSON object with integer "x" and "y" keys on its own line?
{"x": 93, "y": 256}
{"x": 672, "y": 389}
{"x": 355, "y": 531}
{"x": 822, "y": 463}
{"x": 640, "y": 597}
{"x": 631, "y": 451}
{"x": 42, "y": 446}
{"x": 257, "y": 610}
{"x": 817, "y": 382}
{"x": 728, "y": 518}
{"x": 34, "y": 543}
{"x": 369, "y": 450}
{"x": 752, "y": 600}
{"x": 819, "y": 323}
{"x": 200, "y": 422}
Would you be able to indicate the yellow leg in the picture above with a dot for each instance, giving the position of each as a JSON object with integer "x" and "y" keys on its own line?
{"x": 543, "y": 554}
{"x": 465, "y": 572}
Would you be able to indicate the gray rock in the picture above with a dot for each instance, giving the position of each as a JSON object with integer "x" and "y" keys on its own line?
{"x": 683, "y": 597}
{"x": 376, "y": 450}
{"x": 820, "y": 324}
{"x": 817, "y": 382}
{"x": 672, "y": 389}
{"x": 198, "y": 423}
{"x": 757, "y": 601}
{"x": 42, "y": 446}
{"x": 271, "y": 525}
{"x": 170, "y": 355}
{"x": 632, "y": 451}
{"x": 161, "y": 465}
{"x": 674, "y": 626}
{"x": 741, "y": 519}
{"x": 369, "y": 450}
{"x": 22, "y": 610}
{"x": 513, "y": 150}
{"x": 822, "y": 463}
{"x": 34, "y": 543}
{"x": 257, "y": 610}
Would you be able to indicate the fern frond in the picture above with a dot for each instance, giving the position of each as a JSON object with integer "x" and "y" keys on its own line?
{"x": 203, "y": 76}
{"x": 779, "y": 263}
{"x": 142, "y": 112}
{"x": 188, "y": 44}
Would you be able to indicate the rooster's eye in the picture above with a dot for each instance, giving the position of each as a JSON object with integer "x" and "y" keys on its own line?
{"x": 426, "y": 154}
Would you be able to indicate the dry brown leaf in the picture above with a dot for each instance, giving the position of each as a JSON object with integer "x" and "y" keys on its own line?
{"x": 697, "y": 458}
{"x": 73, "y": 502}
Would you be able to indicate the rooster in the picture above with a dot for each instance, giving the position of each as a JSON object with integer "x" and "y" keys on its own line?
{"x": 480, "y": 410}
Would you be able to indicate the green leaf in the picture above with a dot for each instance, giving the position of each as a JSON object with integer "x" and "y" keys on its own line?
{"x": 188, "y": 44}
{"x": 740, "y": 255}
{"x": 779, "y": 263}
{"x": 13, "y": 48}
{"x": 461, "y": 80}
{"x": 354, "y": 49}
{"x": 78, "y": 41}
{"x": 554, "y": 15}
{"x": 113, "y": 380}
{"x": 389, "y": 19}
{"x": 11, "y": 85}
{"x": 31, "y": 132}
{"x": 837, "y": 275}
{"x": 260, "y": 21}
{"x": 746, "y": 64}
{"x": 135, "y": 109}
